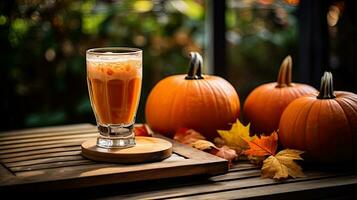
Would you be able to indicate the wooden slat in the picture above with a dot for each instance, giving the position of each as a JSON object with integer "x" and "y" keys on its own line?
{"x": 26, "y": 173}
{"x": 60, "y": 157}
{"x": 33, "y": 144}
{"x": 47, "y": 166}
{"x": 5, "y": 174}
{"x": 243, "y": 165}
{"x": 244, "y": 174}
{"x": 46, "y": 129}
{"x": 294, "y": 190}
{"x": 15, "y": 137}
{"x": 114, "y": 174}
{"x": 39, "y": 156}
{"x": 44, "y": 161}
{"x": 173, "y": 158}
{"x": 224, "y": 185}
{"x": 42, "y": 147}
{"x": 48, "y": 138}
{"x": 39, "y": 152}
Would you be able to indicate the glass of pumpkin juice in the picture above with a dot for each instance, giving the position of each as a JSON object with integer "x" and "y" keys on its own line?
{"x": 114, "y": 77}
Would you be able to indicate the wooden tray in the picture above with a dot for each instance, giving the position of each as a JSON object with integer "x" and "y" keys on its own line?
{"x": 45, "y": 159}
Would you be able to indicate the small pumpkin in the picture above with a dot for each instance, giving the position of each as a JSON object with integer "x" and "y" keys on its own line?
{"x": 265, "y": 104}
{"x": 325, "y": 126}
{"x": 203, "y": 103}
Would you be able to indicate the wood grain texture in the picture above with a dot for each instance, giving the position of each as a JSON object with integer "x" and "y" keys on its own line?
{"x": 41, "y": 147}
{"x": 39, "y": 152}
{"x": 56, "y": 167}
{"x": 146, "y": 149}
{"x": 51, "y": 129}
{"x": 318, "y": 189}
{"x": 49, "y": 159}
{"x": 227, "y": 183}
{"x": 13, "y": 137}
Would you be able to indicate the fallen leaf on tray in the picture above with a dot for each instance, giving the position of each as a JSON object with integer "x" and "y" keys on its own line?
{"x": 187, "y": 136}
{"x": 203, "y": 145}
{"x": 236, "y": 138}
{"x": 282, "y": 165}
{"x": 263, "y": 146}
{"x": 142, "y": 130}
{"x": 226, "y": 153}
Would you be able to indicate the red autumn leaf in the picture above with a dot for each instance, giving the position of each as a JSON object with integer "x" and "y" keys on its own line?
{"x": 226, "y": 153}
{"x": 263, "y": 146}
{"x": 187, "y": 136}
{"x": 142, "y": 130}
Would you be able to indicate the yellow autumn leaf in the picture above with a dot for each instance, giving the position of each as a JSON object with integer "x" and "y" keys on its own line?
{"x": 236, "y": 138}
{"x": 282, "y": 165}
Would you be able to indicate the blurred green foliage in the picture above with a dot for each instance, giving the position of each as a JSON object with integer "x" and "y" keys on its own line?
{"x": 43, "y": 44}
{"x": 259, "y": 35}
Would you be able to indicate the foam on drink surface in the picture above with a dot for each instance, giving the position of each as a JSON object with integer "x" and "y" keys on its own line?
{"x": 108, "y": 67}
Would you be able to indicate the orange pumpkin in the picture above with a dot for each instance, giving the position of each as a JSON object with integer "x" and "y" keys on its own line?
{"x": 265, "y": 104}
{"x": 325, "y": 126}
{"x": 203, "y": 103}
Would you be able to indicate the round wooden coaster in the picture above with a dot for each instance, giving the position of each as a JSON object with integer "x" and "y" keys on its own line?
{"x": 147, "y": 149}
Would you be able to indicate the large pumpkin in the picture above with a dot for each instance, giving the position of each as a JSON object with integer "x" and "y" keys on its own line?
{"x": 325, "y": 126}
{"x": 265, "y": 104}
{"x": 204, "y": 103}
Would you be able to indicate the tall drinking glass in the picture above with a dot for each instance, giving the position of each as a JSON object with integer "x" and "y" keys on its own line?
{"x": 114, "y": 77}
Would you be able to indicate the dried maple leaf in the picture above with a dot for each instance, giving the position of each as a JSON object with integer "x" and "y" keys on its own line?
{"x": 226, "y": 153}
{"x": 282, "y": 165}
{"x": 263, "y": 146}
{"x": 187, "y": 136}
{"x": 142, "y": 130}
{"x": 236, "y": 138}
{"x": 203, "y": 145}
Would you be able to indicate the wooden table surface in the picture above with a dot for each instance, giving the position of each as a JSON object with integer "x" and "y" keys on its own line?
{"x": 242, "y": 181}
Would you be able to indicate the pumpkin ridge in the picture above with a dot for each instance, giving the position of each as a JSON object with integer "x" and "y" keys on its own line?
{"x": 219, "y": 86}
{"x": 294, "y": 124}
{"x": 317, "y": 135}
{"x": 214, "y": 94}
{"x": 268, "y": 99}
{"x": 346, "y": 119}
{"x": 354, "y": 100}
{"x": 354, "y": 138}
{"x": 172, "y": 110}
{"x": 349, "y": 103}
{"x": 305, "y": 128}
{"x": 334, "y": 111}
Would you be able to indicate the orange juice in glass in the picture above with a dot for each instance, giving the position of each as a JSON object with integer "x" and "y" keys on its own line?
{"x": 114, "y": 77}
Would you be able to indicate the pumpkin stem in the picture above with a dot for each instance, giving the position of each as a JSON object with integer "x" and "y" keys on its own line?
{"x": 284, "y": 77}
{"x": 195, "y": 67}
{"x": 326, "y": 88}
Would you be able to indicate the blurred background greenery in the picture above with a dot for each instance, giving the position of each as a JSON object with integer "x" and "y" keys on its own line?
{"x": 43, "y": 45}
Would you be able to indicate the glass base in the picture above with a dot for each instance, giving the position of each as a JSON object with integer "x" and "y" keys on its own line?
{"x": 116, "y": 136}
